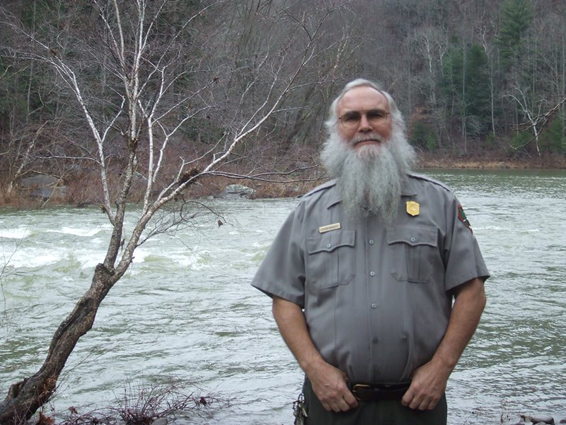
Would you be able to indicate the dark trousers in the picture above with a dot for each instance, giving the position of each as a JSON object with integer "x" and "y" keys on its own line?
{"x": 385, "y": 412}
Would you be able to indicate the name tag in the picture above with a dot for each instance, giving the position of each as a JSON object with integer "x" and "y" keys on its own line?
{"x": 329, "y": 228}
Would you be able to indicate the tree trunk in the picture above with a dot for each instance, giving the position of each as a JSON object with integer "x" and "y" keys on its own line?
{"x": 25, "y": 397}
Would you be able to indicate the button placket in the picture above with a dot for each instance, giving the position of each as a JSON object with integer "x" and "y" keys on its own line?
{"x": 371, "y": 242}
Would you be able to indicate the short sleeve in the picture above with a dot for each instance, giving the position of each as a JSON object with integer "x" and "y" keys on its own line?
{"x": 282, "y": 271}
{"x": 463, "y": 258}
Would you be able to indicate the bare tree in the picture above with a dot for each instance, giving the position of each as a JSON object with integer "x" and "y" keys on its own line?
{"x": 535, "y": 118}
{"x": 431, "y": 45}
{"x": 143, "y": 114}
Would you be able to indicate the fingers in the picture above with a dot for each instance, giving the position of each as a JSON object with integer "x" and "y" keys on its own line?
{"x": 339, "y": 399}
{"x": 329, "y": 385}
{"x": 350, "y": 399}
{"x": 427, "y": 387}
{"x": 419, "y": 399}
{"x": 340, "y": 402}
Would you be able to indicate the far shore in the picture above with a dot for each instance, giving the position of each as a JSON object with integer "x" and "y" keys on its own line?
{"x": 83, "y": 193}
{"x": 428, "y": 160}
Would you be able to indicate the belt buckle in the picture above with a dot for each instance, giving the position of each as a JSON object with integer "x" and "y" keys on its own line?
{"x": 356, "y": 386}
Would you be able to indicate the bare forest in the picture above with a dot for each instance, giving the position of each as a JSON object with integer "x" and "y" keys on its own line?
{"x": 475, "y": 79}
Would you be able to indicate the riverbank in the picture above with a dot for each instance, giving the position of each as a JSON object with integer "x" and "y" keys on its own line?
{"x": 491, "y": 162}
{"x": 426, "y": 160}
{"x": 82, "y": 191}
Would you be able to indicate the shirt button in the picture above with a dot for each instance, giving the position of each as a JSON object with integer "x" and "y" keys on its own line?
{"x": 374, "y": 305}
{"x": 375, "y": 340}
{"x": 371, "y": 242}
{"x": 372, "y": 273}
{"x": 329, "y": 245}
{"x": 413, "y": 239}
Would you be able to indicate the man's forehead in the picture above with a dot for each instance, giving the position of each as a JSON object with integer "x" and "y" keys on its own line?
{"x": 363, "y": 98}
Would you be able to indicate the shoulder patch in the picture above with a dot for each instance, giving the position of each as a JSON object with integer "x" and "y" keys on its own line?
{"x": 320, "y": 188}
{"x": 462, "y": 217}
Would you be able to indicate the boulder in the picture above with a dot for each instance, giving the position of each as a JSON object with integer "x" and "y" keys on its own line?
{"x": 42, "y": 187}
{"x": 236, "y": 191}
{"x": 38, "y": 181}
{"x": 538, "y": 419}
{"x": 46, "y": 193}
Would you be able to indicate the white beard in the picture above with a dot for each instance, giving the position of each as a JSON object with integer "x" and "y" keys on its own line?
{"x": 369, "y": 178}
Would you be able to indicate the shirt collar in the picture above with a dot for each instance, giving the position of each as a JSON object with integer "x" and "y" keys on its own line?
{"x": 333, "y": 196}
{"x": 407, "y": 189}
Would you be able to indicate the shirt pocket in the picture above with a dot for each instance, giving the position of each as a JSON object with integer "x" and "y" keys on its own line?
{"x": 331, "y": 258}
{"x": 414, "y": 252}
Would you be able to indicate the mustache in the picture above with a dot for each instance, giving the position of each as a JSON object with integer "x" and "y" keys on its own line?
{"x": 367, "y": 137}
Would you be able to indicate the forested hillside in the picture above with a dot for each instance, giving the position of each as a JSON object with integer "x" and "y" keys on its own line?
{"x": 473, "y": 78}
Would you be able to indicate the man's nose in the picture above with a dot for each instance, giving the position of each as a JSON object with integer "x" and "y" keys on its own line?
{"x": 364, "y": 124}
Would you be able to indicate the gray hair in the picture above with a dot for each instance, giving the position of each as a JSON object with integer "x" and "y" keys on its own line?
{"x": 396, "y": 116}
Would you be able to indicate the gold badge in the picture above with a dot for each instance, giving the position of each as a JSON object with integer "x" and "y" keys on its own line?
{"x": 413, "y": 208}
{"x": 328, "y": 228}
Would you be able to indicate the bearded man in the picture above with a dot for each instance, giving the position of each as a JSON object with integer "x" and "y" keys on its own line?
{"x": 376, "y": 278}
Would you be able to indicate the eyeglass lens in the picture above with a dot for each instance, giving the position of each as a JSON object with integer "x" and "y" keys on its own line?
{"x": 374, "y": 116}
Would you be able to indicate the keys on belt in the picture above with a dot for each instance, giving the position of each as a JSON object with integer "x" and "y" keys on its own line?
{"x": 367, "y": 392}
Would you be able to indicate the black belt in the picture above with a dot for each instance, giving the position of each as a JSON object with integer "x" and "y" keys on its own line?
{"x": 367, "y": 392}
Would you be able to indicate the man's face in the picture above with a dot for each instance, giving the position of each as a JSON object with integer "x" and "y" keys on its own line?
{"x": 363, "y": 112}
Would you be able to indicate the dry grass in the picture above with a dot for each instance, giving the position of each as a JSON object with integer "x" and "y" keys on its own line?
{"x": 142, "y": 405}
{"x": 491, "y": 161}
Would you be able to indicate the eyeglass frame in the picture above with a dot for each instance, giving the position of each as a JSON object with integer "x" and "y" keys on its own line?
{"x": 380, "y": 119}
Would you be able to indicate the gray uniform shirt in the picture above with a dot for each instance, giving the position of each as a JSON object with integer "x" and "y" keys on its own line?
{"x": 376, "y": 300}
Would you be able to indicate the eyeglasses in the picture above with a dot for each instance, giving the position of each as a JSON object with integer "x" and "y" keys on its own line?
{"x": 352, "y": 119}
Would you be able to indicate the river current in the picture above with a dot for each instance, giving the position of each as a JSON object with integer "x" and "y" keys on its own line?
{"x": 185, "y": 311}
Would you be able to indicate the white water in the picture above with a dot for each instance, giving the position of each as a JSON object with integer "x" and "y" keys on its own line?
{"x": 186, "y": 310}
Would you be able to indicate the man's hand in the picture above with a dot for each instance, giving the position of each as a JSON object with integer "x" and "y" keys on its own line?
{"x": 427, "y": 387}
{"x": 329, "y": 385}
{"x": 328, "y": 382}
{"x": 429, "y": 380}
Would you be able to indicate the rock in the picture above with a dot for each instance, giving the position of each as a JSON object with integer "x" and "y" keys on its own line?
{"x": 236, "y": 191}
{"x": 47, "y": 193}
{"x": 38, "y": 180}
{"x": 42, "y": 187}
{"x": 538, "y": 419}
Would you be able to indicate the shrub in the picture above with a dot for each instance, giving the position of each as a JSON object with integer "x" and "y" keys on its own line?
{"x": 423, "y": 137}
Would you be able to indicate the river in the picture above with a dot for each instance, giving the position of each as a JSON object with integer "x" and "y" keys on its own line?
{"x": 186, "y": 311}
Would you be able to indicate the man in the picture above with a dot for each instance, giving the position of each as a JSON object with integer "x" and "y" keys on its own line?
{"x": 376, "y": 277}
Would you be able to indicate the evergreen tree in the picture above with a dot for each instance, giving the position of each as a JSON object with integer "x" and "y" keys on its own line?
{"x": 465, "y": 84}
{"x": 477, "y": 93}
{"x": 516, "y": 19}
{"x": 553, "y": 136}
{"x": 452, "y": 76}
